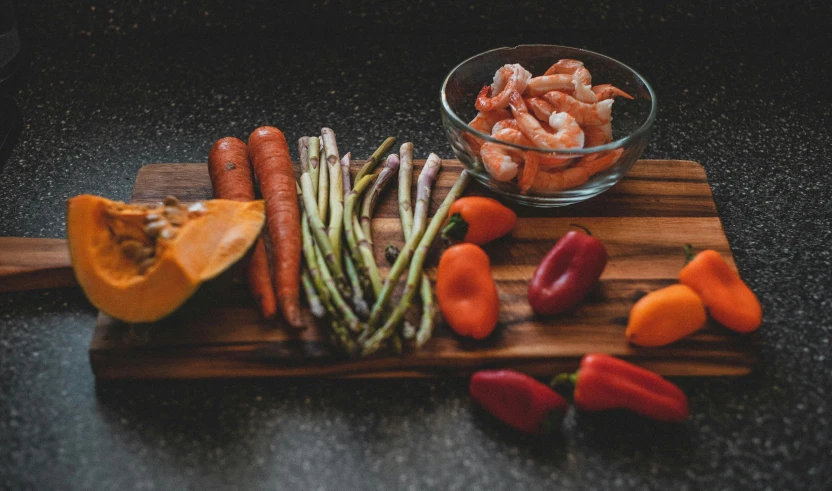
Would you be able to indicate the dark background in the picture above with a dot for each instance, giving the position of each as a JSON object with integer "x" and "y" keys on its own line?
{"x": 107, "y": 87}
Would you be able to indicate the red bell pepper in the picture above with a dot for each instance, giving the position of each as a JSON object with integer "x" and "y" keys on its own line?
{"x": 603, "y": 382}
{"x": 567, "y": 273}
{"x": 518, "y": 400}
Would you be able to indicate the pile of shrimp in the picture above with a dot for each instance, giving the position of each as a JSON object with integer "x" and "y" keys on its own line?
{"x": 560, "y": 109}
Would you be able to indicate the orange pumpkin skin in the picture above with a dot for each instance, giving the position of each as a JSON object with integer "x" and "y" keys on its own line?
{"x": 187, "y": 245}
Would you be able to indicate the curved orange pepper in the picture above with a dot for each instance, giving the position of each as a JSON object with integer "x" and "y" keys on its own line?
{"x": 728, "y": 298}
{"x": 665, "y": 315}
{"x": 479, "y": 220}
{"x": 466, "y": 292}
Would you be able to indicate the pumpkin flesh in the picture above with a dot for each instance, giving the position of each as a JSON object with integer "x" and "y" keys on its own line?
{"x": 139, "y": 263}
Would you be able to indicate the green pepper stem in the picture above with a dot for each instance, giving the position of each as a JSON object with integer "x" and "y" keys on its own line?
{"x": 456, "y": 228}
{"x": 689, "y": 255}
{"x": 564, "y": 383}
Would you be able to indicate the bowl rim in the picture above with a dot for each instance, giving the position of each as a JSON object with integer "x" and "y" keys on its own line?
{"x": 644, "y": 128}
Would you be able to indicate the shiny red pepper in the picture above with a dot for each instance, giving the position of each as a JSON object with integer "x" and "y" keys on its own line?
{"x": 518, "y": 400}
{"x": 567, "y": 273}
{"x": 604, "y": 382}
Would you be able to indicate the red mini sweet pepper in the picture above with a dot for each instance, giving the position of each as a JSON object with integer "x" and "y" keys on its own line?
{"x": 567, "y": 273}
{"x": 603, "y": 382}
{"x": 518, "y": 400}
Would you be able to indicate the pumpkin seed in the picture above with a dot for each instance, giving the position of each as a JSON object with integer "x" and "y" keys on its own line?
{"x": 197, "y": 207}
{"x": 153, "y": 228}
{"x": 170, "y": 201}
{"x": 146, "y": 251}
{"x": 131, "y": 248}
{"x": 168, "y": 233}
{"x": 151, "y": 217}
{"x": 145, "y": 264}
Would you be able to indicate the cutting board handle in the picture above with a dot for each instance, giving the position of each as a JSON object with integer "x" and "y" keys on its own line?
{"x": 34, "y": 264}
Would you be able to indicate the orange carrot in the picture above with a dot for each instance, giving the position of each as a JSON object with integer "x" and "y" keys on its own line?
{"x": 269, "y": 154}
{"x": 231, "y": 178}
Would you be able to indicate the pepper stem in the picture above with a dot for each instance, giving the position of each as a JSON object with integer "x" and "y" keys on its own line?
{"x": 456, "y": 228}
{"x": 582, "y": 228}
{"x": 564, "y": 383}
{"x": 689, "y": 255}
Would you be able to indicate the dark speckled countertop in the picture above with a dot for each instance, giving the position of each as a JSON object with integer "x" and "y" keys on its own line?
{"x": 110, "y": 86}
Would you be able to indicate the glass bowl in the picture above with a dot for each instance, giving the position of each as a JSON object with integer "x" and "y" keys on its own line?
{"x": 578, "y": 174}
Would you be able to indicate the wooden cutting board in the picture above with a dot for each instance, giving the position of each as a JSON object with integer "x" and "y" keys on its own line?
{"x": 644, "y": 221}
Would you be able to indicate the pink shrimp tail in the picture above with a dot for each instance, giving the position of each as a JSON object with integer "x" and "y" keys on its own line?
{"x": 607, "y": 91}
{"x": 515, "y": 100}
{"x": 483, "y": 97}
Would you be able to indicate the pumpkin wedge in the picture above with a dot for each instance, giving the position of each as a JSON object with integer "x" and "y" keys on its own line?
{"x": 139, "y": 263}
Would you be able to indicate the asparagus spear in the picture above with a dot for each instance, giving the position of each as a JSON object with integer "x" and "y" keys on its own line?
{"x": 313, "y": 156}
{"x": 369, "y": 260}
{"x": 320, "y": 274}
{"x": 319, "y": 232}
{"x": 362, "y": 263}
{"x": 308, "y": 246}
{"x": 375, "y": 341}
{"x": 389, "y": 170}
{"x": 347, "y": 315}
{"x": 406, "y": 216}
{"x": 405, "y": 181}
{"x": 428, "y": 311}
{"x": 375, "y": 158}
{"x": 323, "y": 181}
{"x": 358, "y": 302}
{"x": 339, "y": 330}
{"x": 303, "y": 151}
{"x": 346, "y": 161}
{"x": 423, "y": 186}
{"x": 312, "y": 297}
{"x": 336, "y": 191}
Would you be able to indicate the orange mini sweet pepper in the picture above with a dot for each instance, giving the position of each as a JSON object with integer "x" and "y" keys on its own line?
{"x": 664, "y": 316}
{"x": 466, "y": 292}
{"x": 479, "y": 220}
{"x": 728, "y": 298}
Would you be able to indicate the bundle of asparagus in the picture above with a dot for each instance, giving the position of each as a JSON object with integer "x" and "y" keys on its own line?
{"x": 340, "y": 275}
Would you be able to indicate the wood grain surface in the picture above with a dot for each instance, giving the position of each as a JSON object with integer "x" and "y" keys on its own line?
{"x": 34, "y": 263}
{"x": 644, "y": 221}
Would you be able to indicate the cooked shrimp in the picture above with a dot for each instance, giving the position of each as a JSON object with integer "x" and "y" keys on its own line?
{"x": 540, "y": 85}
{"x": 529, "y": 171}
{"x": 507, "y": 79}
{"x": 607, "y": 91}
{"x": 557, "y": 180}
{"x": 597, "y": 134}
{"x": 581, "y": 78}
{"x": 513, "y": 136}
{"x": 567, "y": 66}
{"x": 530, "y": 159}
{"x": 586, "y": 114}
{"x": 507, "y": 123}
{"x": 500, "y": 161}
{"x": 483, "y": 122}
{"x": 568, "y": 133}
{"x": 583, "y": 87}
{"x": 597, "y": 162}
{"x": 540, "y": 108}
